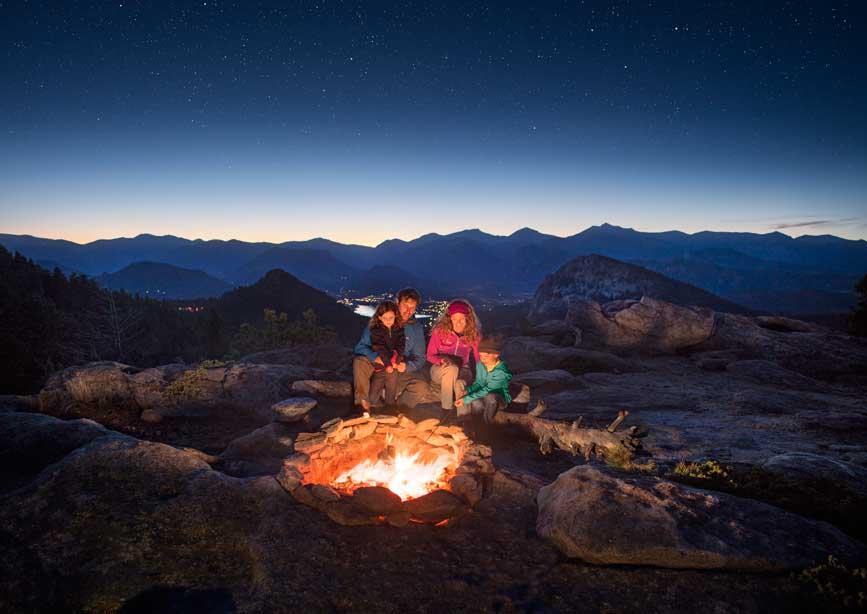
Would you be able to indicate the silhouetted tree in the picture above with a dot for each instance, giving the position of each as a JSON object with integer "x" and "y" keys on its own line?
{"x": 214, "y": 339}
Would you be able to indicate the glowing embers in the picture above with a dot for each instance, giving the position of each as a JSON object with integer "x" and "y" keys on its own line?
{"x": 387, "y": 469}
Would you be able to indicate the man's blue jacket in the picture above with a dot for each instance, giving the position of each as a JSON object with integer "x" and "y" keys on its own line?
{"x": 415, "y": 345}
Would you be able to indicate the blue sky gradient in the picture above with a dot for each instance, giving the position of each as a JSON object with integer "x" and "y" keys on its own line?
{"x": 362, "y": 123}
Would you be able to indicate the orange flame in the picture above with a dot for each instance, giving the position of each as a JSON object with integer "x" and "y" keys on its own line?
{"x": 404, "y": 475}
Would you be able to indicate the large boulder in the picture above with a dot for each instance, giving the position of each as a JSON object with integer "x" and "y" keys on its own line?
{"x": 97, "y": 383}
{"x": 649, "y": 325}
{"x": 609, "y": 519}
{"x": 526, "y": 354}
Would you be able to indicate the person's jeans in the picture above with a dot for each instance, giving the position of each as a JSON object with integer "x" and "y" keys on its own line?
{"x": 382, "y": 379}
{"x": 410, "y": 387}
{"x": 362, "y": 372}
{"x": 487, "y": 406}
{"x": 451, "y": 381}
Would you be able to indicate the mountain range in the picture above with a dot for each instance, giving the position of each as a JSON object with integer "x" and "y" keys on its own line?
{"x": 765, "y": 272}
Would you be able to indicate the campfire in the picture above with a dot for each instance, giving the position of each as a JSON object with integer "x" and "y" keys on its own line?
{"x": 407, "y": 474}
{"x": 390, "y": 469}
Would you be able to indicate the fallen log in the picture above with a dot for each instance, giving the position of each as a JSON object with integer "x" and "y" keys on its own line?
{"x": 574, "y": 439}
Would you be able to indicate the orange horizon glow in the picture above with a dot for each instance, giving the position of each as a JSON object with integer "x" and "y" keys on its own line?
{"x": 357, "y": 238}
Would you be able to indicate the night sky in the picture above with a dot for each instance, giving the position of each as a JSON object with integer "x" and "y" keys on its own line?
{"x": 367, "y": 121}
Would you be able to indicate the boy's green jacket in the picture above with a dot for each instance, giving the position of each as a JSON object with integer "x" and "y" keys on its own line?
{"x": 497, "y": 380}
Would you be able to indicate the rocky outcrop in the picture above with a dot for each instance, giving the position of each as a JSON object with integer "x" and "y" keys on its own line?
{"x": 809, "y": 350}
{"x": 116, "y": 517}
{"x": 167, "y": 387}
{"x": 599, "y": 279}
{"x": 648, "y": 325}
{"x": 609, "y": 519}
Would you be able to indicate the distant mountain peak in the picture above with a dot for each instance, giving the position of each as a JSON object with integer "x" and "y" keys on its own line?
{"x": 613, "y": 228}
{"x": 163, "y": 280}
{"x": 277, "y": 274}
{"x": 526, "y": 231}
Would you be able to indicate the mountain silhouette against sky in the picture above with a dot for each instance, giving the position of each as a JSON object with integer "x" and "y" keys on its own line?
{"x": 769, "y": 272}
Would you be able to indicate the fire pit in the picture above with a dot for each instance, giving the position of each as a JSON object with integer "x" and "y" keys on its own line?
{"x": 387, "y": 469}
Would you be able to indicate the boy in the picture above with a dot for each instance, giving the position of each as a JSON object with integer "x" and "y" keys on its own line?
{"x": 489, "y": 393}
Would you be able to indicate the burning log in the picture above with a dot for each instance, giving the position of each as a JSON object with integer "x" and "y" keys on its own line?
{"x": 571, "y": 437}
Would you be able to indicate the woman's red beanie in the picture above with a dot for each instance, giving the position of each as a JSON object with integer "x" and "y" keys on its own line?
{"x": 459, "y": 307}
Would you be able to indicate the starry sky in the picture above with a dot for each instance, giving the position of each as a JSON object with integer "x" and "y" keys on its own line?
{"x": 362, "y": 121}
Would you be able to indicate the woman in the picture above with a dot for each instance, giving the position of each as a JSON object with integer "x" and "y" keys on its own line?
{"x": 453, "y": 351}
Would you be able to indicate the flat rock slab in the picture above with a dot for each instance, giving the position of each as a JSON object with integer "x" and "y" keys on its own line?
{"x": 609, "y": 519}
{"x": 260, "y": 452}
{"x": 293, "y": 409}
{"x": 531, "y": 354}
{"x": 326, "y": 388}
{"x": 806, "y": 467}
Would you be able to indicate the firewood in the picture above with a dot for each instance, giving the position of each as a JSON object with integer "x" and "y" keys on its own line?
{"x": 621, "y": 416}
{"x": 540, "y": 408}
{"x": 570, "y": 437}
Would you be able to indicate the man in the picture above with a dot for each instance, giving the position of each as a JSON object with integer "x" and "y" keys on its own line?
{"x": 412, "y": 386}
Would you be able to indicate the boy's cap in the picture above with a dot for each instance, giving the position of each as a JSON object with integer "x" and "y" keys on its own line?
{"x": 490, "y": 345}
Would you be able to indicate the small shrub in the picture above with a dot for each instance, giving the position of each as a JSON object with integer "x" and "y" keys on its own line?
{"x": 212, "y": 364}
{"x": 190, "y": 385}
{"x": 624, "y": 460}
{"x": 843, "y": 587}
{"x": 704, "y": 471}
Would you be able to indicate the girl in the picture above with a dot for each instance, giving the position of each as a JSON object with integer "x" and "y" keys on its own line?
{"x": 388, "y": 340}
{"x": 453, "y": 351}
